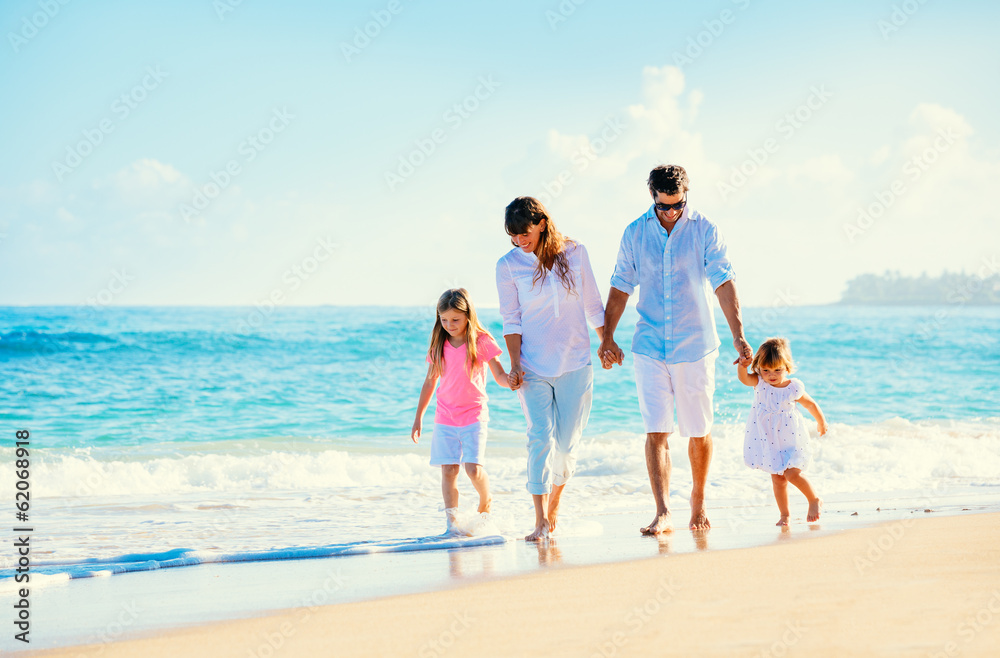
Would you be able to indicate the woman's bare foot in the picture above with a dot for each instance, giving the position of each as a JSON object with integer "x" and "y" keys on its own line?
{"x": 699, "y": 520}
{"x": 484, "y": 507}
{"x": 783, "y": 520}
{"x": 661, "y": 523}
{"x": 541, "y": 532}
{"x": 555, "y": 497}
{"x": 814, "y": 509}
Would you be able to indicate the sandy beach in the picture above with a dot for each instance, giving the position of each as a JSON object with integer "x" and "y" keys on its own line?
{"x": 914, "y": 587}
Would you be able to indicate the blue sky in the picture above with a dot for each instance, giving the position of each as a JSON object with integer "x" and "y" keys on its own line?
{"x": 596, "y": 93}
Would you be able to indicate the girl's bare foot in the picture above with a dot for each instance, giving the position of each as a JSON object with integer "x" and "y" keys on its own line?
{"x": 484, "y": 507}
{"x": 541, "y": 532}
{"x": 814, "y": 509}
{"x": 783, "y": 520}
{"x": 451, "y": 514}
{"x": 661, "y": 523}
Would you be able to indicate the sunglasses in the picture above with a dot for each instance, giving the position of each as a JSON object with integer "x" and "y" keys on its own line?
{"x": 667, "y": 207}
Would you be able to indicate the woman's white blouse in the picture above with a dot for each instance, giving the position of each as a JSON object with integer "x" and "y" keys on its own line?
{"x": 551, "y": 320}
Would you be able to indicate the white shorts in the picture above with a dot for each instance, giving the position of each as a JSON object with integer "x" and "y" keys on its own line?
{"x": 458, "y": 445}
{"x": 688, "y": 386}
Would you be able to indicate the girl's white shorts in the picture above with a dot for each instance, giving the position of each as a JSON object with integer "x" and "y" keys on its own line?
{"x": 458, "y": 445}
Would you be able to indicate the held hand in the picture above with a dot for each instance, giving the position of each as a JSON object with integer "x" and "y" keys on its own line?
{"x": 514, "y": 378}
{"x": 610, "y": 353}
{"x": 743, "y": 351}
{"x": 417, "y": 428}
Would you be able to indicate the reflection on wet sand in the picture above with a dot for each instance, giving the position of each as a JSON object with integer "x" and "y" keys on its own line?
{"x": 701, "y": 539}
{"x": 463, "y": 563}
{"x": 548, "y": 553}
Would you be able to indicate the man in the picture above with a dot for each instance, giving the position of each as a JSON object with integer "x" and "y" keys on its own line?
{"x": 675, "y": 256}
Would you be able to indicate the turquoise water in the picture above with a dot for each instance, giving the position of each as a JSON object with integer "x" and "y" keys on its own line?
{"x": 171, "y": 432}
{"x": 350, "y": 376}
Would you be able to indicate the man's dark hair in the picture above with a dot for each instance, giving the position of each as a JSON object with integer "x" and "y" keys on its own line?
{"x": 668, "y": 179}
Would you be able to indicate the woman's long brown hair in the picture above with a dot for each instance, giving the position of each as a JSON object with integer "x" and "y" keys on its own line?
{"x": 524, "y": 212}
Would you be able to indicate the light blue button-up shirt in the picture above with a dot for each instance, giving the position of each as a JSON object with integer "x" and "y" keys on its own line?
{"x": 677, "y": 276}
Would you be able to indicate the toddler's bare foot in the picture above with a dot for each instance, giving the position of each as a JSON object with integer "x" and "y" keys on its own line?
{"x": 484, "y": 507}
{"x": 661, "y": 523}
{"x": 814, "y": 509}
{"x": 541, "y": 532}
{"x": 783, "y": 520}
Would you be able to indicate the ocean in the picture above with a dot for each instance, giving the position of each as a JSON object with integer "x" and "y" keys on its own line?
{"x": 166, "y": 437}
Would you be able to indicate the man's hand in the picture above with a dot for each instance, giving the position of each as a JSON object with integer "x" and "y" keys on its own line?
{"x": 514, "y": 378}
{"x": 743, "y": 350}
{"x": 609, "y": 353}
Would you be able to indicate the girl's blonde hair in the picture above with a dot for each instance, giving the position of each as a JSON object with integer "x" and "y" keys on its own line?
{"x": 524, "y": 212}
{"x": 773, "y": 352}
{"x": 456, "y": 299}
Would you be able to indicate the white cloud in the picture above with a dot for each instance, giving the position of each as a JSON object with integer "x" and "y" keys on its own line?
{"x": 822, "y": 169}
{"x": 244, "y": 242}
{"x": 880, "y": 155}
{"x": 143, "y": 186}
{"x": 935, "y": 117}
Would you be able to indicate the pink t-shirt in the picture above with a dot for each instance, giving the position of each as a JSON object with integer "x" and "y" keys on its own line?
{"x": 461, "y": 401}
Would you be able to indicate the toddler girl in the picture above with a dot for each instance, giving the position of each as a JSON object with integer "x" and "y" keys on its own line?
{"x": 776, "y": 438}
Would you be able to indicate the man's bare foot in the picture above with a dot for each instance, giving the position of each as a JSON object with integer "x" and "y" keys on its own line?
{"x": 783, "y": 520}
{"x": 553, "y": 515}
{"x": 484, "y": 507}
{"x": 814, "y": 509}
{"x": 699, "y": 521}
{"x": 541, "y": 532}
{"x": 661, "y": 523}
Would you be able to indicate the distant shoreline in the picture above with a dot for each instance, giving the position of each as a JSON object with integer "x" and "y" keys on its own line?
{"x": 910, "y": 303}
{"x": 890, "y": 289}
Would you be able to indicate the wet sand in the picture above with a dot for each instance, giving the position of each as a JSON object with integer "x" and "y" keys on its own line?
{"x": 912, "y": 587}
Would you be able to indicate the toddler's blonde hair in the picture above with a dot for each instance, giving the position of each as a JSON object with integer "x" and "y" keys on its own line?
{"x": 773, "y": 352}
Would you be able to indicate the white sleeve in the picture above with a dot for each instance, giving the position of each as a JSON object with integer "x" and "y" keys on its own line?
{"x": 592, "y": 304}
{"x": 626, "y": 274}
{"x": 510, "y": 305}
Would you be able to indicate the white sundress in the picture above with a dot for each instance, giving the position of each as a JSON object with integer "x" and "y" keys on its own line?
{"x": 777, "y": 437}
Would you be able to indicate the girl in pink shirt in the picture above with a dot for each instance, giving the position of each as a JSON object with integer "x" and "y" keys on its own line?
{"x": 460, "y": 346}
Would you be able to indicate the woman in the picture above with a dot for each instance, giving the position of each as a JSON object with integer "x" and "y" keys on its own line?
{"x": 547, "y": 295}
